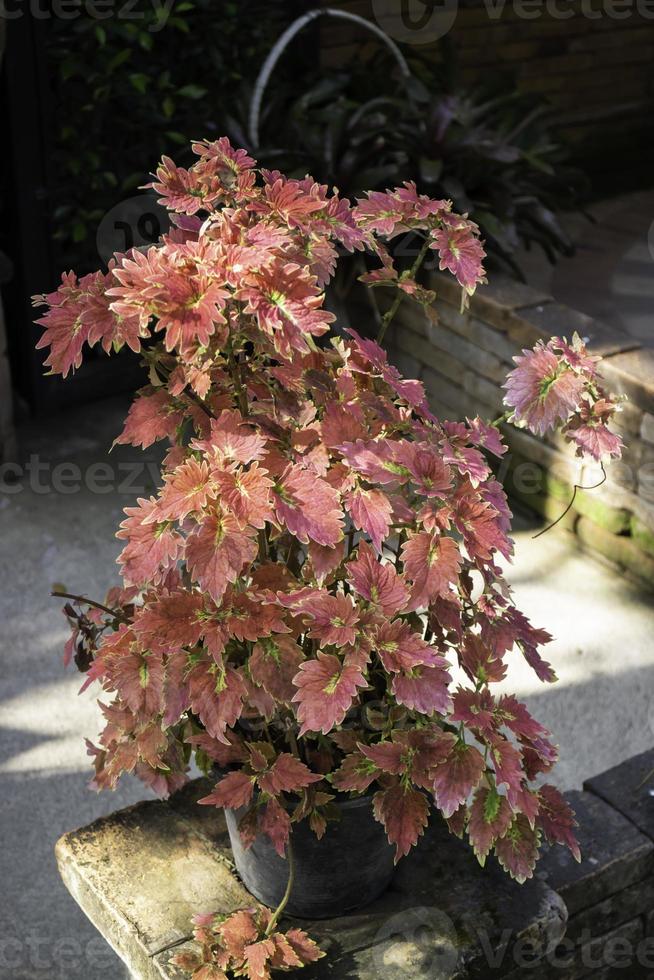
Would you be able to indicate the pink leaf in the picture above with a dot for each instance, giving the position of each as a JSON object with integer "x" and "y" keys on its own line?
{"x": 326, "y": 689}
{"x": 217, "y": 551}
{"x": 233, "y": 791}
{"x": 432, "y": 563}
{"x": 517, "y": 850}
{"x": 378, "y": 583}
{"x": 404, "y": 813}
{"x": 371, "y": 513}
{"x": 457, "y": 777}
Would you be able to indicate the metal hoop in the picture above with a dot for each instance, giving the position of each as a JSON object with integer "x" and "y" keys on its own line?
{"x": 280, "y": 46}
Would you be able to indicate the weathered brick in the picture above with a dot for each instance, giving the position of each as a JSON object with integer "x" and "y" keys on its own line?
{"x": 632, "y": 374}
{"x": 554, "y": 319}
{"x": 627, "y": 788}
{"x": 617, "y": 520}
{"x": 647, "y": 428}
{"x": 619, "y": 549}
{"x": 642, "y": 535}
{"x": 616, "y": 855}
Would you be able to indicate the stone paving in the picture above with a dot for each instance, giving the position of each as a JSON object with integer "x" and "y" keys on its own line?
{"x": 56, "y": 526}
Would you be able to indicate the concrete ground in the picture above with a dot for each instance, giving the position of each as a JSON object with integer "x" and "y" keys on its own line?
{"x": 56, "y": 527}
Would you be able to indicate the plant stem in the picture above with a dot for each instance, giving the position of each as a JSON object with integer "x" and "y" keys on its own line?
{"x": 287, "y": 894}
{"x": 502, "y": 418}
{"x": 390, "y": 313}
{"x": 89, "y": 602}
{"x": 237, "y": 379}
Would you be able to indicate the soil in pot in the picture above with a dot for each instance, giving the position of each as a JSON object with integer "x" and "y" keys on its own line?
{"x": 349, "y": 867}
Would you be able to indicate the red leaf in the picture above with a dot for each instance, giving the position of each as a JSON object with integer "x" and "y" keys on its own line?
{"x": 233, "y": 791}
{"x": 334, "y": 618}
{"x": 556, "y": 819}
{"x": 355, "y": 774}
{"x": 151, "y": 417}
{"x": 217, "y": 551}
{"x": 286, "y": 775}
{"x": 404, "y": 813}
{"x": 308, "y": 507}
{"x": 371, "y": 512}
{"x": 326, "y": 689}
{"x": 152, "y": 547}
{"x": 246, "y": 494}
{"x": 490, "y": 817}
{"x": 378, "y": 583}
{"x": 188, "y": 488}
{"x": 275, "y": 822}
{"x": 432, "y": 563}
{"x": 274, "y": 663}
{"x": 517, "y": 850}
{"x": 257, "y": 957}
{"x": 304, "y": 947}
{"x": 387, "y": 756}
{"x": 423, "y": 689}
{"x": 402, "y": 649}
{"x": 216, "y": 697}
{"x": 455, "y": 779}
{"x": 232, "y": 439}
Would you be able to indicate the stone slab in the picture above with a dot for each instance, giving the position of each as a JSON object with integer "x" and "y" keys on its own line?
{"x": 629, "y": 788}
{"x": 615, "y": 855}
{"x": 142, "y": 873}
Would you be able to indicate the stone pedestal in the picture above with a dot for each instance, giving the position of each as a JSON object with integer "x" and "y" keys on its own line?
{"x": 141, "y": 874}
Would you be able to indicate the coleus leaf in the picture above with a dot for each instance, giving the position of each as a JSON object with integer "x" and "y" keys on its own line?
{"x": 517, "y": 849}
{"x": 153, "y": 546}
{"x": 457, "y": 777}
{"x": 217, "y": 550}
{"x": 273, "y": 664}
{"x": 326, "y": 689}
{"x": 308, "y": 507}
{"x": 151, "y": 417}
{"x": 400, "y": 648}
{"x": 404, "y": 813}
{"x": 378, "y": 583}
{"x": 355, "y": 774}
{"x": 275, "y": 823}
{"x": 216, "y": 697}
{"x": 233, "y": 791}
{"x": 334, "y": 618}
{"x": 371, "y": 512}
{"x": 188, "y": 488}
{"x": 286, "y": 775}
{"x": 432, "y": 563}
{"x": 556, "y": 819}
{"x": 490, "y": 818}
{"x": 424, "y": 689}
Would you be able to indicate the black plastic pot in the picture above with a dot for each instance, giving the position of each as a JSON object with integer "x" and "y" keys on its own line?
{"x": 350, "y": 866}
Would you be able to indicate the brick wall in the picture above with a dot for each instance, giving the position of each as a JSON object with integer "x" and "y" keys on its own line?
{"x": 594, "y": 67}
{"x": 610, "y": 894}
{"x": 463, "y": 360}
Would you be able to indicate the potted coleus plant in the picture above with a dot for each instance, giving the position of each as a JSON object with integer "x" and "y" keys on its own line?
{"x": 321, "y": 555}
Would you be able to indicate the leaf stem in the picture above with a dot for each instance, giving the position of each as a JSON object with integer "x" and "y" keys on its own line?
{"x": 89, "y": 602}
{"x": 287, "y": 894}
{"x": 390, "y": 313}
